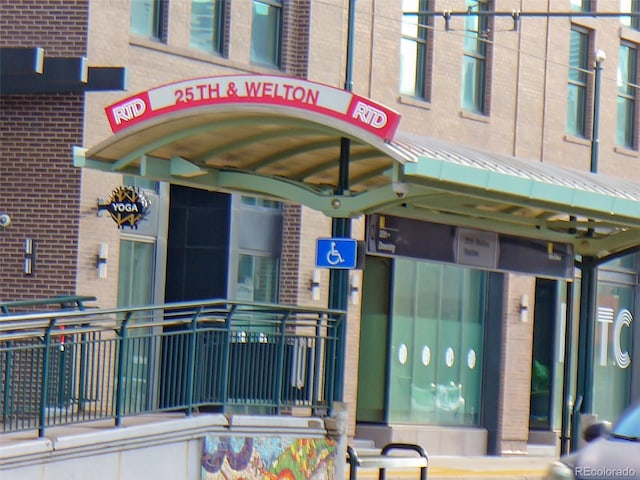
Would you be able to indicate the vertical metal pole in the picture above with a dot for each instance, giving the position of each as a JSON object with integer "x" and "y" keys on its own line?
{"x": 120, "y": 369}
{"x": 341, "y": 227}
{"x": 584, "y": 373}
{"x": 589, "y": 284}
{"x": 45, "y": 379}
{"x": 565, "y": 427}
{"x": 191, "y": 367}
{"x": 595, "y": 135}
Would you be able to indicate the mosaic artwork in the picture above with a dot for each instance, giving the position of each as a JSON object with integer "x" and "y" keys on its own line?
{"x": 272, "y": 458}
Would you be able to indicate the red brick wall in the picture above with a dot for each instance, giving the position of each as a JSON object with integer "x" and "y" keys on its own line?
{"x": 290, "y": 261}
{"x": 295, "y": 42}
{"x": 58, "y": 26}
{"x": 39, "y": 187}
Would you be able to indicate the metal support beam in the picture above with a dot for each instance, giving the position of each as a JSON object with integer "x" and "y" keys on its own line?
{"x": 341, "y": 227}
{"x": 586, "y": 327}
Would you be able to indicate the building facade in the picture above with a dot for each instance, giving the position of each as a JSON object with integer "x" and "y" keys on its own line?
{"x": 457, "y": 358}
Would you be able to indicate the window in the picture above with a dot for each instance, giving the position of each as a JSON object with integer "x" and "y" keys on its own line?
{"x": 261, "y": 202}
{"x": 577, "y": 88}
{"x": 207, "y": 25}
{"x": 266, "y": 32}
{"x": 437, "y": 338}
{"x": 630, "y": 6}
{"x": 581, "y": 5}
{"x": 627, "y": 93}
{"x": 257, "y": 279}
{"x": 136, "y": 273}
{"x": 147, "y": 18}
{"x": 135, "y": 287}
{"x": 413, "y": 48}
{"x": 474, "y": 82}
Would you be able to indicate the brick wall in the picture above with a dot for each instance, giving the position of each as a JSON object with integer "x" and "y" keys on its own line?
{"x": 58, "y": 26}
{"x": 39, "y": 188}
{"x": 516, "y": 363}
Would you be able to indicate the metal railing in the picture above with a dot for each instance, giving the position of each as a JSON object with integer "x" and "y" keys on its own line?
{"x": 65, "y": 367}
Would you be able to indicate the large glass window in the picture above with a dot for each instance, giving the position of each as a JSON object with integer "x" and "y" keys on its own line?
{"x": 135, "y": 287}
{"x": 266, "y": 32}
{"x": 146, "y": 18}
{"x": 474, "y": 65}
{"x": 630, "y": 6}
{"x": 413, "y": 48}
{"x": 437, "y": 343}
{"x": 577, "y": 87}
{"x": 207, "y": 25}
{"x": 627, "y": 94}
{"x": 613, "y": 348}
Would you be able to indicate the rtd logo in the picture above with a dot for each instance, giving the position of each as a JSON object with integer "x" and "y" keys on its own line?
{"x": 370, "y": 115}
{"x": 128, "y": 111}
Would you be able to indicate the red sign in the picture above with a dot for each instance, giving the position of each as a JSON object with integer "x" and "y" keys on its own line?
{"x": 255, "y": 89}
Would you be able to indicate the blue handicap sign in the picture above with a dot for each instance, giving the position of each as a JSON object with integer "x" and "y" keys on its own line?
{"x": 336, "y": 253}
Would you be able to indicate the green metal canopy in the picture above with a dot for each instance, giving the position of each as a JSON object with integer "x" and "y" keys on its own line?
{"x": 288, "y": 152}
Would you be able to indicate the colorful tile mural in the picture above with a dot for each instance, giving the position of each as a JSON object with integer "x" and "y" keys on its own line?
{"x": 272, "y": 458}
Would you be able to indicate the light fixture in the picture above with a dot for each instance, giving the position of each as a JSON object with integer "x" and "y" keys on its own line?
{"x": 29, "y": 256}
{"x": 101, "y": 260}
{"x": 315, "y": 285}
{"x": 354, "y": 289}
{"x": 524, "y": 307}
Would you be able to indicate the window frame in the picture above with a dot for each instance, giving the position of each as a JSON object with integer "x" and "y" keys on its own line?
{"x": 218, "y": 28}
{"x": 629, "y": 21}
{"x": 422, "y": 41}
{"x": 585, "y": 6}
{"x": 628, "y": 94}
{"x": 578, "y": 83}
{"x": 478, "y": 58}
{"x": 157, "y": 28}
{"x": 276, "y": 60}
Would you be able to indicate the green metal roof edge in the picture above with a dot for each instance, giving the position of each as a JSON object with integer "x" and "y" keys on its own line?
{"x": 522, "y": 188}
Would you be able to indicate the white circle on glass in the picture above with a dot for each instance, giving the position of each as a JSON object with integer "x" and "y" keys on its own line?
{"x": 449, "y": 357}
{"x": 471, "y": 358}
{"x": 403, "y": 353}
{"x": 426, "y": 355}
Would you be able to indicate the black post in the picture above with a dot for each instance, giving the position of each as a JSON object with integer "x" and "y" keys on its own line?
{"x": 567, "y": 371}
{"x": 584, "y": 373}
{"x": 341, "y": 227}
{"x": 589, "y": 283}
{"x": 595, "y": 135}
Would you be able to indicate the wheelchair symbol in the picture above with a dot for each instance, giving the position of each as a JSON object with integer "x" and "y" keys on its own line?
{"x": 333, "y": 255}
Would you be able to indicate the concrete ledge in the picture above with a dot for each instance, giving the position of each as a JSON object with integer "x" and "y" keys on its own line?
{"x": 143, "y": 432}
{"x": 26, "y": 448}
{"x": 82, "y": 440}
{"x": 274, "y": 424}
{"x": 435, "y": 440}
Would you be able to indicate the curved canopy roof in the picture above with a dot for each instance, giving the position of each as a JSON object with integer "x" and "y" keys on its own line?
{"x": 281, "y": 138}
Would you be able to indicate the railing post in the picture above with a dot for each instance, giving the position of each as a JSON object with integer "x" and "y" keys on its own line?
{"x": 45, "y": 378}
{"x": 120, "y": 369}
{"x": 191, "y": 366}
{"x": 7, "y": 384}
{"x": 225, "y": 358}
{"x": 280, "y": 366}
{"x": 317, "y": 364}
